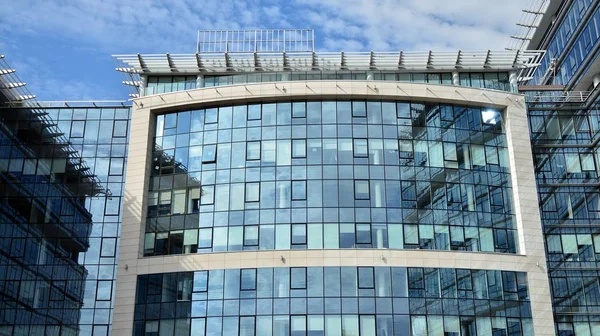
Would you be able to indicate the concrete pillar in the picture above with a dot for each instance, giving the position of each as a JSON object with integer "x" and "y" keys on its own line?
{"x": 514, "y": 81}
{"x": 596, "y": 79}
{"x": 455, "y": 78}
{"x": 200, "y": 81}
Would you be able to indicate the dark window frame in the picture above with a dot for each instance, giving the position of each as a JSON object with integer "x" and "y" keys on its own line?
{"x": 356, "y": 225}
{"x": 300, "y": 115}
{"x": 211, "y": 120}
{"x": 305, "y": 149}
{"x": 248, "y": 158}
{"x": 248, "y": 118}
{"x": 246, "y": 192}
{"x": 356, "y": 198}
{"x": 246, "y": 270}
{"x": 213, "y": 158}
{"x": 304, "y": 269}
{"x": 360, "y": 155}
{"x": 293, "y": 182}
{"x": 372, "y": 271}
{"x": 292, "y": 243}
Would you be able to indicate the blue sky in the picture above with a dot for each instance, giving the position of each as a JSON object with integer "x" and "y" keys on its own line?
{"x": 62, "y": 48}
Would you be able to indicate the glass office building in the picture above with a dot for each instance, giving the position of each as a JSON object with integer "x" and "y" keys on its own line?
{"x": 562, "y": 99}
{"x": 293, "y": 192}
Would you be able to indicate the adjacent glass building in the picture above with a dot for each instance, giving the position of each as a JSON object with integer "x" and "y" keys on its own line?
{"x": 565, "y": 133}
{"x": 62, "y": 168}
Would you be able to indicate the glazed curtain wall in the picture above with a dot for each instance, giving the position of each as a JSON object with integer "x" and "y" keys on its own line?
{"x": 488, "y": 80}
{"x": 566, "y": 156}
{"x": 101, "y": 137}
{"x": 357, "y": 301}
{"x": 331, "y": 174}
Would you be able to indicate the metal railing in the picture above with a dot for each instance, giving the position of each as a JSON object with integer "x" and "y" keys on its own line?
{"x": 557, "y": 97}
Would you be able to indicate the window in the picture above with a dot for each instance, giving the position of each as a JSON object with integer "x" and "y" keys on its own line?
{"x": 361, "y": 189}
{"x": 363, "y": 233}
{"x": 211, "y": 116}
{"x": 104, "y": 291}
{"x": 359, "y": 109}
{"x": 207, "y": 196}
{"x": 205, "y": 237}
{"x": 403, "y": 110}
{"x": 298, "y": 278}
{"x": 299, "y": 235}
{"x": 361, "y": 148}
{"x": 298, "y": 190}
{"x": 251, "y": 235}
{"x": 247, "y": 326}
{"x": 299, "y": 110}
{"x": 77, "y": 128}
{"x": 405, "y": 149}
{"x": 491, "y": 117}
{"x": 120, "y": 129}
{"x": 298, "y": 149}
{"x": 366, "y": 278}
{"x": 253, "y": 150}
{"x": 254, "y": 112}
{"x": 253, "y": 192}
{"x": 116, "y": 166}
{"x": 209, "y": 154}
{"x": 248, "y": 279}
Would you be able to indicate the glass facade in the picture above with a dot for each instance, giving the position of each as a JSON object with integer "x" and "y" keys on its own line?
{"x": 484, "y": 80}
{"x": 328, "y": 175}
{"x": 44, "y": 226}
{"x": 567, "y": 161}
{"x": 340, "y": 301}
{"x": 100, "y": 136}
{"x": 569, "y": 56}
{"x": 567, "y": 166}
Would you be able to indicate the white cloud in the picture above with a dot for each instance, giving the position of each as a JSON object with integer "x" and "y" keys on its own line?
{"x": 417, "y": 24}
{"x": 158, "y": 26}
{"x": 104, "y": 27}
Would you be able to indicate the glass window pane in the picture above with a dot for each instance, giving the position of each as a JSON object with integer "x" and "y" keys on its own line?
{"x": 367, "y": 325}
{"x": 247, "y": 325}
{"x": 248, "y": 279}
{"x": 366, "y": 277}
{"x": 253, "y": 192}
{"x": 211, "y": 116}
{"x": 209, "y": 154}
{"x": 298, "y": 149}
{"x": 361, "y": 148}
{"x": 254, "y": 112}
{"x": 359, "y": 109}
{"x": 361, "y": 189}
{"x": 299, "y": 110}
{"x": 253, "y": 150}
{"x": 298, "y": 234}
{"x": 298, "y": 190}
{"x": 363, "y": 233}
{"x": 298, "y": 278}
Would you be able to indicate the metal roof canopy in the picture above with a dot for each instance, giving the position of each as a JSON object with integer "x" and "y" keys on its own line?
{"x": 523, "y": 61}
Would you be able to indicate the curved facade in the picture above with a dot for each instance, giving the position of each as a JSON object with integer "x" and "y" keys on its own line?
{"x": 331, "y": 208}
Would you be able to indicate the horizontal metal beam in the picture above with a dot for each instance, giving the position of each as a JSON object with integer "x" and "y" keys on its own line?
{"x": 11, "y": 85}
{"x": 328, "y": 61}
